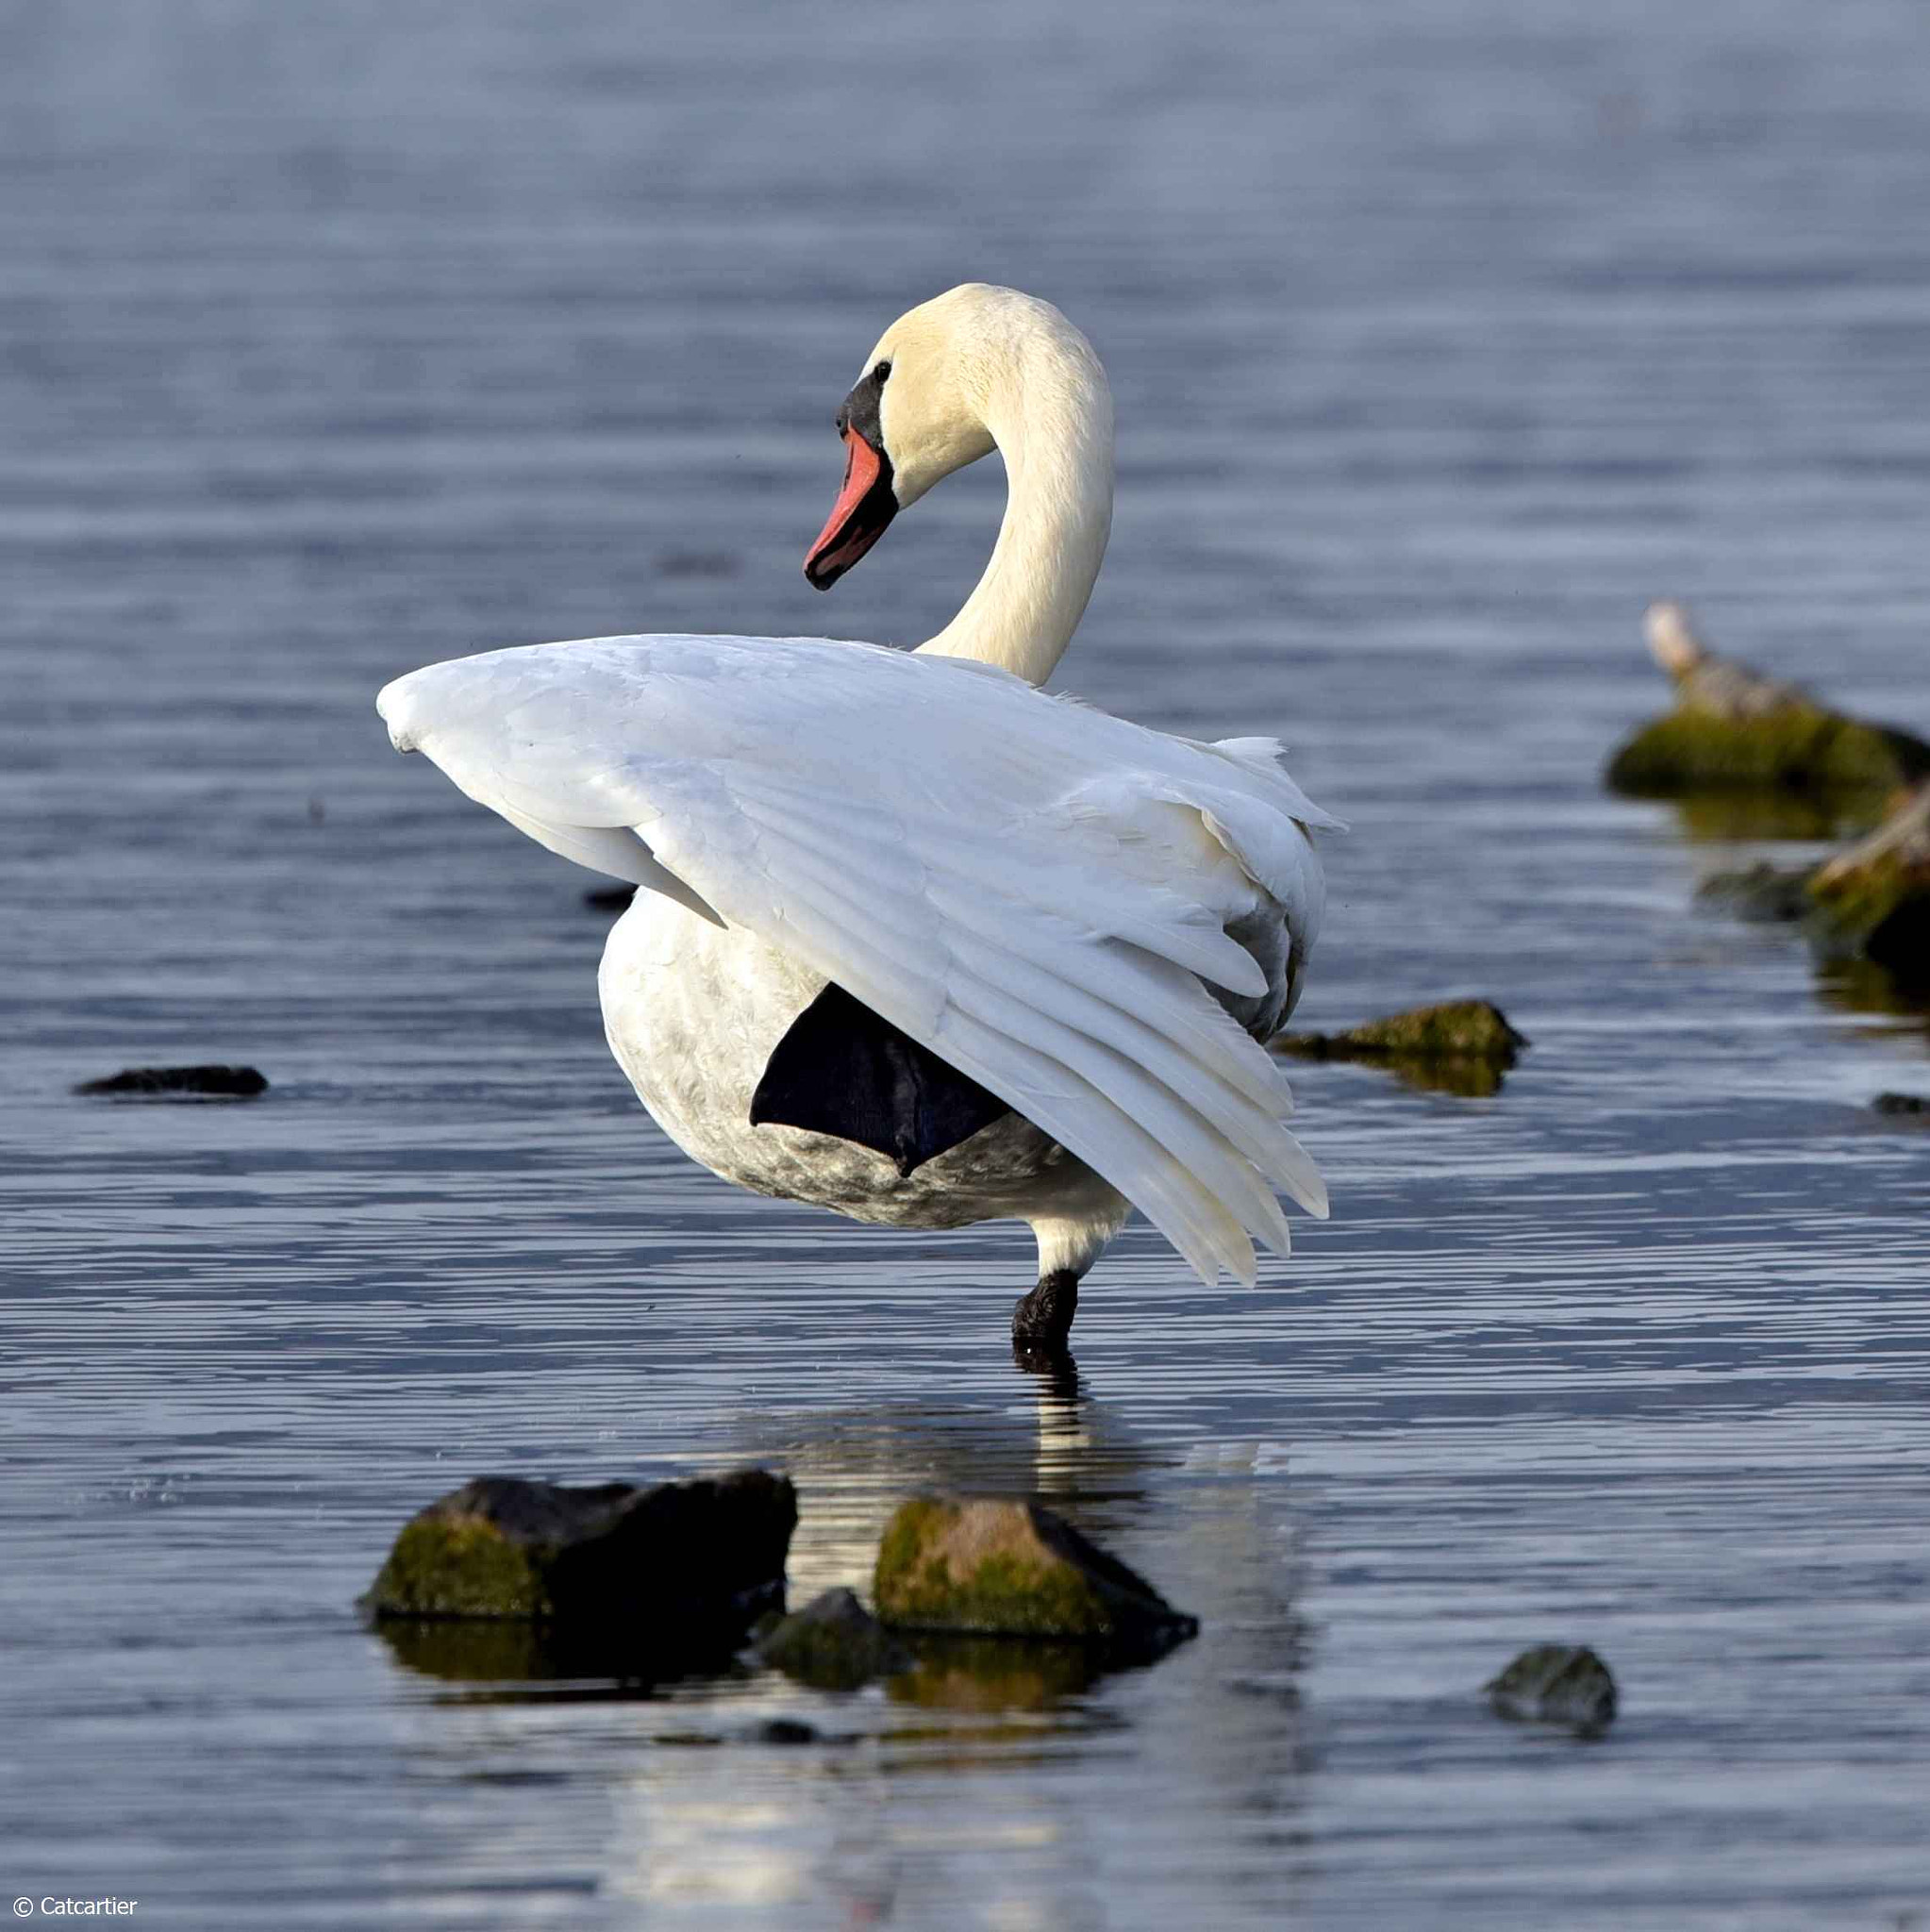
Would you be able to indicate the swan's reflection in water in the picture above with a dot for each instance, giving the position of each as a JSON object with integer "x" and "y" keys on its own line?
{"x": 1041, "y": 1434}
{"x": 961, "y": 1790}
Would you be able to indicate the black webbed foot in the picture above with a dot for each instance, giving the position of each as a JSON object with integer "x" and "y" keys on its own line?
{"x": 1042, "y": 1321}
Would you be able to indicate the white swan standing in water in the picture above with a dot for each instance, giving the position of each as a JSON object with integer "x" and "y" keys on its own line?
{"x": 918, "y": 942}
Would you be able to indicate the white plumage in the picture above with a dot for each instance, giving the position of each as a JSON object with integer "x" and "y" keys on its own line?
{"x": 1039, "y": 893}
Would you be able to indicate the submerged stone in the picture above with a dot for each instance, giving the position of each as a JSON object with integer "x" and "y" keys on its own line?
{"x": 997, "y": 1567}
{"x": 1557, "y": 1684}
{"x": 667, "y": 1573}
{"x": 1911, "y": 1107}
{"x": 1733, "y": 727}
{"x": 833, "y": 1643}
{"x": 211, "y": 1082}
{"x": 1457, "y": 1046}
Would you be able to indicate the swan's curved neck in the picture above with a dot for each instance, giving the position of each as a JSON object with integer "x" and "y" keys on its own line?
{"x": 1051, "y": 420}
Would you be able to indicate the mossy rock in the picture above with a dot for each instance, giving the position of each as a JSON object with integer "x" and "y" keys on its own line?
{"x": 1876, "y": 894}
{"x": 1871, "y": 902}
{"x": 1734, "y": 729}
{"x": 1801, "y": 748}
{"x": 1558, "y": 1684}
{"x": 1007, "y": 1568}
{"x": 1457, "y": 1046}
{"x": 669, "y": 1571}
{"x": 833, "y": 1643}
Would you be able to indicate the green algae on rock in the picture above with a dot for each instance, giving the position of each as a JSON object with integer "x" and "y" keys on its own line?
{"x": 833, "y": 1643}
{"x": 1457, "y": 1046}
{"x": 1803, "y": 748}
{"x": 1556, "y": 1684}
{"x": 1734, "y": 729}
{"x": 1009, "y": 1568}
{"x": 676, "y": 1568}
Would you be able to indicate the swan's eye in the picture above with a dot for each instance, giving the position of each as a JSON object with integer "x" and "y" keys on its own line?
{"x": 879, "y": 374}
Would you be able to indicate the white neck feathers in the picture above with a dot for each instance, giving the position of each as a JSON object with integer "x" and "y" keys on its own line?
{"x": 1045, "y": 404}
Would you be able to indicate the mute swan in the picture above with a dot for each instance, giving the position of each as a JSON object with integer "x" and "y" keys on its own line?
{"x": 920, "y": 943}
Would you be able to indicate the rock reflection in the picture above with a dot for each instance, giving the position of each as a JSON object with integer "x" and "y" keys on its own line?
{"x": 990, "y": 1675}
{"x": 1729, "y": 817}
{"x": 1861, "y": 985}
{"x": 533, "y": 1659}
{"x": 854, "y": 1466}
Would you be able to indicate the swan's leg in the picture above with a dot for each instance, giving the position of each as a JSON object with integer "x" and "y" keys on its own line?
{"x": 1042, "y": 1320}
{"x": 1069, "y": 1243}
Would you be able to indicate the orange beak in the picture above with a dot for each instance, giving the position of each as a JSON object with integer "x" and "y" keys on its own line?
{"x": 865, "y": 506}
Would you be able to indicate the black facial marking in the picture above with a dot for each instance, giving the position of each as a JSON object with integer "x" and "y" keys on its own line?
{"x": 843, "y": 545}
{"x": 841, "y": 1070}
{"x": 859, "y": 409}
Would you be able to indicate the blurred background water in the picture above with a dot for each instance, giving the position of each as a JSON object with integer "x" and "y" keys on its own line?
{"x": 336, "y": 338}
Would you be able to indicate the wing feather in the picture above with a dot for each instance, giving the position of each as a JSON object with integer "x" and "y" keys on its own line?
{"x": 995, "y": 873}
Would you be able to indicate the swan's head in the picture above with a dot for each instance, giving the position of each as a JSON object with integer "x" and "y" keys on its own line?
{"x": 921, "y": 409}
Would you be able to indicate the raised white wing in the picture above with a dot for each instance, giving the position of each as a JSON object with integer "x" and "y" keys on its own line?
{"x": 1031, "y": 889}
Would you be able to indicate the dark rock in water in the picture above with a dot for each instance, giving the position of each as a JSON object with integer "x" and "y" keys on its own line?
{"x": 786, "y": 1730}
{"x": 1733, "y": 727}
{"x": 833, "y": 1643}
{"x": 996, "y": 1567}
{"x": 1459, "y": 1046}
{"x": 196, "y": 1083}
{"x": 1556, "y": 1684}
{"x": 666, "y": 1577}
{"x": 1909, "y": 1106}
{"x": 609, "y": 898}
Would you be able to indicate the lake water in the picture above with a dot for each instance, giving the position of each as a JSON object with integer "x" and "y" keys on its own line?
{"x": 338, "y": 339}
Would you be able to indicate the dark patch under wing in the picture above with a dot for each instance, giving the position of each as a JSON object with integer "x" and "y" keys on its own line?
{"x": 841, "y": 1070}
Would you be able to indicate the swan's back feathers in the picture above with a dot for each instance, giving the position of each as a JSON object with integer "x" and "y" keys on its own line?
{"x": 1034, "y": 890}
